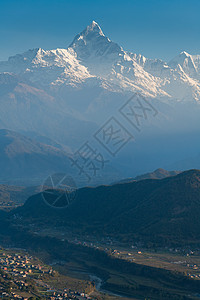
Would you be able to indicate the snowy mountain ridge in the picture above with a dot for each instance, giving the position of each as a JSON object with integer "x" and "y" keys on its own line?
{"x": 66, "y": 95}
{"x": 93, "y": 60}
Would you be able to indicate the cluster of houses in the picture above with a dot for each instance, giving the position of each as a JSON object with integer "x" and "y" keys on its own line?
{"x": 13, "y": 294}
{"x": 21, "y": 268}
{"x": 21, "y": 265}
{"x": 66, "y": 294}
{"x": 55, "y": 296}
{"x": 196, "y": 268}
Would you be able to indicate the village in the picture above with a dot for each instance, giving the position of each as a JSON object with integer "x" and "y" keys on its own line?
{"x": 21, "y": 277}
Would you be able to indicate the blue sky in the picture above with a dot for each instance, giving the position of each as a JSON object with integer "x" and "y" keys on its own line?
{"x": 153, "y": 28}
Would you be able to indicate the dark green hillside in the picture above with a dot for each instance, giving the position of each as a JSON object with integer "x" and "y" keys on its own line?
{"x": 163, "y": 211}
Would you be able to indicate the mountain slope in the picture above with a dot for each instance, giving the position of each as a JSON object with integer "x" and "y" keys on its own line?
{"x": 162, "y": 211}
{"x": 52, "y": 66}
{"x": 157, "y": 174}
{"x": 24, "y": 159}
{"x": 27, "y": 108}
{"x": 13, "y": 196}
{"x": 107, "y": 60}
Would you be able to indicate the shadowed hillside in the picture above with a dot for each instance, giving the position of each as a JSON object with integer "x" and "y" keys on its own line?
{"x": 163, "y": 211}
{"x": 22, "y": 157}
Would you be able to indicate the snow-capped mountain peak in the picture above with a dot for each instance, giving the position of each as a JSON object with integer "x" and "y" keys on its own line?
{"x": 93, "y": 60}
{"x": 19, "y": 62}
{"x": 90, "y": 32}
{"x": 184, "y": 54}
{"x": 185, "y": 60}
{"x": 92, "y": 43}
{"x": 93, "y": 27}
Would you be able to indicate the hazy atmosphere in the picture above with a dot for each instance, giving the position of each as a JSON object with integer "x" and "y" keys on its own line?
{"x": 99, "y": 150}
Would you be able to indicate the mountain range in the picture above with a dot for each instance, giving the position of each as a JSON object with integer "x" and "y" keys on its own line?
{"x": 164, "y": 211}
{"x": 93, "y": 60}
{"x": 12, "y": 196}
{"x": 66, "y": 95}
